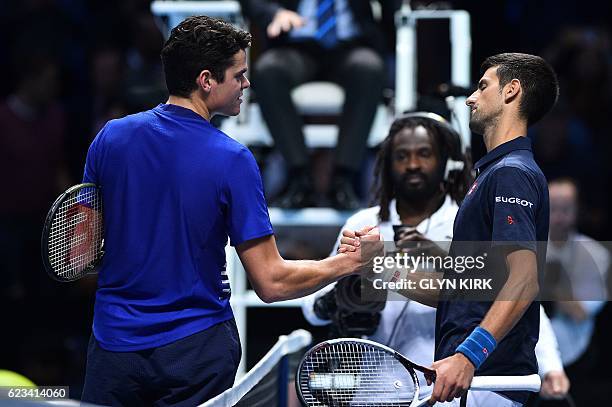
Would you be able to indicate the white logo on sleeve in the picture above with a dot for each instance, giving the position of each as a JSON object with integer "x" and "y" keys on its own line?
{"x": 513, "y": 200}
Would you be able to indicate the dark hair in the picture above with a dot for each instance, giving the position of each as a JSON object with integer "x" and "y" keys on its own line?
{"x": 448, "y": 144}
{"x": 199, "y": 43}
{"x": 538, "y": 82}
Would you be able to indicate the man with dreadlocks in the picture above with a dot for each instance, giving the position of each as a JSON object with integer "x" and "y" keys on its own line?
{"x": 421, "y": 176}
{"x": 414, "y": 194}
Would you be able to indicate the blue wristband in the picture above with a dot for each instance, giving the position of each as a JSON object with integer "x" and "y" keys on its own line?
{"x": 478, "y": 346}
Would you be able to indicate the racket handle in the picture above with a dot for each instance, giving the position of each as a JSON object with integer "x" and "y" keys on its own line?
{"x": 420, "y": 403}
{"x": 499, "y": 383}
{"x": 507, "y": 383}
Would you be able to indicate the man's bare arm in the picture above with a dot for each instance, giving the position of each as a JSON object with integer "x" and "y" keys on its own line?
{"x": 277, "y": 279}
{"x": 516, "y": 295}
{"x": 428, "y": 296}
{"x": 455, "y": 372}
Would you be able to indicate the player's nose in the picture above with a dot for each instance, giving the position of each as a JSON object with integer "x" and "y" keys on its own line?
{"x": 471, "y": 100}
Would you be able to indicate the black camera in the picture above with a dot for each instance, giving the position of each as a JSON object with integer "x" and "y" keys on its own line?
{"x": 353, "y": 309}
{"x": 398, "y": 230}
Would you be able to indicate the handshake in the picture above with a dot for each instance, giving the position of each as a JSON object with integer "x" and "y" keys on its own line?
{"x": 351, "y": 240}
{"x": 364, "y": 243}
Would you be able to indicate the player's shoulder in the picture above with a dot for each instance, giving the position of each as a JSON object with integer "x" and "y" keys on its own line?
{"x": 519, "y": 167}
{"x": 131, "y": 120}
{"x": 124, "y": 127}
{"x": 519, "y": 161}
{"x": 232, "y": 145}
{"x": 232, "y": 150}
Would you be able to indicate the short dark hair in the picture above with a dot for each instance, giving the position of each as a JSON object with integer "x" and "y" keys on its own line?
{"x": 199, "y": 43}
{"x": 448, "y": 144}
{"x": 538, "y": 81}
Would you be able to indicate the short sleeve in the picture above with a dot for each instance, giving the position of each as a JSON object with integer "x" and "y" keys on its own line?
{"x": 513, "y": 201}
{"x": 246, "y": 213}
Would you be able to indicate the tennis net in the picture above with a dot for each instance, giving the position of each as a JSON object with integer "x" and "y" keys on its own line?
{"x": 267, "y": 379}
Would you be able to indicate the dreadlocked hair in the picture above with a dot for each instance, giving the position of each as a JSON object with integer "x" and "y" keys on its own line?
{"x": 449, "y": 146}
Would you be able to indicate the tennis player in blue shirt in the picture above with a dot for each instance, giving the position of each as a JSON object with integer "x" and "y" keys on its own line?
{"x": 507, "y": 208}
{"x": 174, "y": 189}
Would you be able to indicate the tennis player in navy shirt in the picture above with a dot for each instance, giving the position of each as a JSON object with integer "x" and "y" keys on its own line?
{"x": 506, "y": 210}
{"x": 174, "y": 189}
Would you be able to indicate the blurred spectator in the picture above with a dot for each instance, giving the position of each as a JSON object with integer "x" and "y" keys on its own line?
{"x": 338, "y": 41}
{"x": 561, "y": 143}
{"x": 580, "y": 265}
{"x": 32, "y": 131}
{"x": 144, "y": 85}
{"x": 107, "y": 68}
{"x": 582, "y": 59}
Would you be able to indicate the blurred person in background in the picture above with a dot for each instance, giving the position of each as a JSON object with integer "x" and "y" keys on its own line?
{"x": 580, "y": 127}
{"x": 32, "y": 168}
{"x": 32, "y": 136}
{"x": 576, "y": 273}
{"x": 307, "y": 40}
{"x": 107, "y": 70}
{"x": 143, "y": 83}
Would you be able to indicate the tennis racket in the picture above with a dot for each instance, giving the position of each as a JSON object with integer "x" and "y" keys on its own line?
{"x": 357, "y": 372}
{"x": 73, "y": 236}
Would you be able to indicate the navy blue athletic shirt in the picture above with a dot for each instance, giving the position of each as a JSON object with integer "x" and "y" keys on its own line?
{"x": 506, "y": 205}
{"x": 174, "y": 188}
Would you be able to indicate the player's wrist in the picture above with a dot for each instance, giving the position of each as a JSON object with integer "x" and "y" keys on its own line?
{"x": 478, "y": 346}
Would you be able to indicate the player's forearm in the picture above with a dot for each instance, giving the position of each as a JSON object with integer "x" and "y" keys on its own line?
{"x": 502, "y": 317}
{"x": 516, "y": 295}
{"x": 424, "y": 288}
{"x": 298, "y": 278}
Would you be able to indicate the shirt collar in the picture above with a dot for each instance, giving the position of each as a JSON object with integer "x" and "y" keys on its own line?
{"x": 519, "y": 143}
{"x": 439, "y": 216}
{"x": 179, "y": 110}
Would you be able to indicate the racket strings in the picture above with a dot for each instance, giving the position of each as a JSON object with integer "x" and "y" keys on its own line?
{"x": 355, "y": 374}
{"x": 76, "y": 233}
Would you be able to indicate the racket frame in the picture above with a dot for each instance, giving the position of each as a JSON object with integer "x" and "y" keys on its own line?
{"x": 44, "y": 241}
{"x": 408, "y": 364}
{"x": 530, "y": 382}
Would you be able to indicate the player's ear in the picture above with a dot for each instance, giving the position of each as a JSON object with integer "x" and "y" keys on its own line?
{"x": 205, "y": 80}
{"x": 512, "y": 90}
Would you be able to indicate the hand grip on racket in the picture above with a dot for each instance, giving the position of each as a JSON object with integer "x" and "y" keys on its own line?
{"x": 358, "y": 372}
{"x": 72, "y": 240}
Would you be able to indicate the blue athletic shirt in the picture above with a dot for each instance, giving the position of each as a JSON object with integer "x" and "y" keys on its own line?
{"x": 174, "y": 188}
{"x": 506, "y": 205}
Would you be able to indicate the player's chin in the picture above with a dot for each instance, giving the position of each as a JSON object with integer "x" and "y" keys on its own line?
{"x": 476, "y": 126}
{"x": 234, "y": 111}
{"x": 236, "y": 107}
